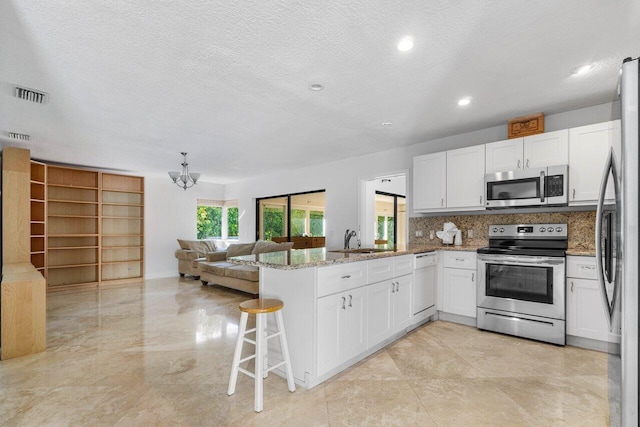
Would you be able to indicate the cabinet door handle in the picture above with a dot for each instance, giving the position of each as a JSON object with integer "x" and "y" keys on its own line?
{"x": 574, "y": 194}
{"x": 473, "y": 277}
{"x": 460, "y": 259}
{"x": 481, "y": 200}
{"x": 397, "y": 286}
{"x": 348, "y": 276}
{"x": 350, "y": 299}
{"x": 587, "y": 267}
{"x": 527, "y": 163}
{"x": 571, "y": 286}
{"x": 518, "y": 164}
{"x": 441, "y": 202}
{"x": 393, "y": 287}
{"x": 344, "y": 301}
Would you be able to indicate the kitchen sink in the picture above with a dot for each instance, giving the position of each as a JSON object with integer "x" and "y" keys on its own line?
{"x": 362, "y": 250}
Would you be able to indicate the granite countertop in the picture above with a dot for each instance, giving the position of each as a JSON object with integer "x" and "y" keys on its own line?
{"x": 581, "y": 252}
{"x": 305, "y": 258}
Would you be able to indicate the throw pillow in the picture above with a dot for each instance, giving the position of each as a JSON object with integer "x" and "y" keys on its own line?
{"x": 184, "y": 244}
{"x": 238, "y": 249}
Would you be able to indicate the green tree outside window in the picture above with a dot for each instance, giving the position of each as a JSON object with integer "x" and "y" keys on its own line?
{"x": 209, "y": 222}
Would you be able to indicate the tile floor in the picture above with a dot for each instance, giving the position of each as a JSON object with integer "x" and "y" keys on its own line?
{"x": 159, "y": 353}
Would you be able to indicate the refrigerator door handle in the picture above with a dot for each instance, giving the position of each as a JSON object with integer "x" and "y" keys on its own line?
{"x": 610, "y": 166}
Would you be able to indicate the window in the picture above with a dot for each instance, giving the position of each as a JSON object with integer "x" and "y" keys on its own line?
{"x": 391, "y": 209}
{"x": 217, "y": 219}
{"x": 293, "y": 215}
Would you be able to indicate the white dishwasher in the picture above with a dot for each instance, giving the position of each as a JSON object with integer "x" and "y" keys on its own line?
{"x": 424, "y": 290}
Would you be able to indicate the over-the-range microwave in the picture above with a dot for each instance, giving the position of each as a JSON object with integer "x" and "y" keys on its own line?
{"x": 528, "y": 187}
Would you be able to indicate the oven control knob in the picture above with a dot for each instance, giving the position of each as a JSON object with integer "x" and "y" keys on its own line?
{"x": 550, "y": 229}
{"x": 495, "y": 230}
{"x": 559, "y": 229}
{"x": 501, "y": 230}
{"x": 542, "y": 229}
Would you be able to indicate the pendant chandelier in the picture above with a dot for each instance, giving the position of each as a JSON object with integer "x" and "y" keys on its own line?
{"x": 185, "y": 179}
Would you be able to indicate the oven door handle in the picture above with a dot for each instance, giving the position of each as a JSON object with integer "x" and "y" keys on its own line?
{"x": 542, "y": 189}
{"x": 519, "y": 261}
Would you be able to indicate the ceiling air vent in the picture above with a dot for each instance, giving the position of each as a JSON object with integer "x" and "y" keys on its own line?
{"x": 31, "y": 95}
{"x": 19, "y": 136}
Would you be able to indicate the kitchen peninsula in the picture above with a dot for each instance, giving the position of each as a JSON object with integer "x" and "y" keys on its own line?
{"x": 340, "y": 307}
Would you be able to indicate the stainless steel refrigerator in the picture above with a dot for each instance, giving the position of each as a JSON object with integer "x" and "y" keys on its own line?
{"x": 617, "y": 254}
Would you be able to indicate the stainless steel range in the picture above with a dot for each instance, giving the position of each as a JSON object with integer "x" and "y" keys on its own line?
{"x": 521, "y": 281}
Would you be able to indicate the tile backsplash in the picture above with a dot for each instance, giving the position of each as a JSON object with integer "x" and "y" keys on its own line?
{"x": 581, "y": 226}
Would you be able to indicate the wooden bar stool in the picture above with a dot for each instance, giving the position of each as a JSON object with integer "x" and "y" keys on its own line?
{"x": 260, "y": 307}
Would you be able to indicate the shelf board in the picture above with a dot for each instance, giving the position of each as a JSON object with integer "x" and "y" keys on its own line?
{"x": 73, "y": 235}
{"x": 37, "y": 200}
{"x": 73, "y": 201}
{"x": 73, "y": 216}
{"x": 64, "y": 248}
{"x": 122, "y": 217}
{"x": 33, "y": 181}
{"x": 37, "y": 252}
{"x": 122, "y": 204}
{"x": 122, "y": 262}
{"x": 38, "y": 235}
{"x": 122, "y": 191}
{"x": 50, "y": 267}
{"x": 80, "y": 187}
{"x": 122, "y": 247}
{"x": 122, "y": 235}
{"x": 37, "y": 222}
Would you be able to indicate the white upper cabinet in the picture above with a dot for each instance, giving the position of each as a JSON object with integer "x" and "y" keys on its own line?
{"x": 588, "y": 150}
{"x": 504, "y": 156}
{"x": 429, "y": 181}
{"x": 535, "y": 151}
{"x": 546, "y": 149}
{"x": 465, "y": 178}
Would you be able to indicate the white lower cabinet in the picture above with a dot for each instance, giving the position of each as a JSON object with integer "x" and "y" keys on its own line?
{"x": 459, "y": 283}
{"x": 342, "y": 327}
{"x": 586, "y": 316}
{"x": 389, "y": 307}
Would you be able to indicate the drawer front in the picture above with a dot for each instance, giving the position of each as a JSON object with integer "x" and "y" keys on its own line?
{"x": 581, "y": 267}
{"x": 379, "y": 269}
{"x": 456, "y": 259}
{"x": 403, "y": 265}
{"x": 426, "y": 260}
{"x": 342, "y": 277}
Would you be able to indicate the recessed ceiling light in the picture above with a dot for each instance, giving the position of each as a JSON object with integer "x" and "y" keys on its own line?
{"x": 464, "y": 101}
{"x": 316, "y": 87}
{"x": 583, "y": 69}
{"x": 386, "y": 124}
{"x": 405, "y": 44}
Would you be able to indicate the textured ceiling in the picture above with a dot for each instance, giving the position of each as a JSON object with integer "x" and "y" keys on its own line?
{"x": 133, "y": 83}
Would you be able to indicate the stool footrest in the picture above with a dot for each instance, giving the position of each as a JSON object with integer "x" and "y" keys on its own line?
{"x": 244, "y": 371}
{"x": 275, "y": 366}
{"x": 249, "y": 340}
{"x": 275, "y": 334}
{"x": 253, "y": 356}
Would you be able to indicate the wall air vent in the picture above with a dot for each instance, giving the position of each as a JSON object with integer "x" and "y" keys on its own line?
{"x": 19, "y": 136}
{"x": 31, "y": 95}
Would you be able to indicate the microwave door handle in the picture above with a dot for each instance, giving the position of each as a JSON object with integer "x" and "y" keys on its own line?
{"x": 609, "y": 167}
{"x": 541, "y": 186}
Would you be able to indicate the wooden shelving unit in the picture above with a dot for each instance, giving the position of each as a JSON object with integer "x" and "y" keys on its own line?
{"x": 122, "y": 245}
{"x": 73, "y": 227}
{"x": 37, "y": 200}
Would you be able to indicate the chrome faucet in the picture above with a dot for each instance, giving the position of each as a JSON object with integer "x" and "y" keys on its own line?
{"x": 347, "y": 237}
